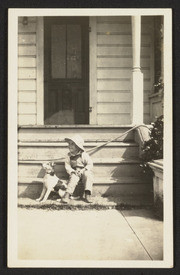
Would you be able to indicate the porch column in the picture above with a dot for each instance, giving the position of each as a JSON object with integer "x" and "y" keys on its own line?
{"x": 137, "y": 76}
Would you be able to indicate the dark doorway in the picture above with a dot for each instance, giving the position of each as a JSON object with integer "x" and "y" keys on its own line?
{"x": 66, "y": 70}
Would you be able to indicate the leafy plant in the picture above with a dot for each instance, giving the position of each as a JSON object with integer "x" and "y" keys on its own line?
{"x": 159, "y": 86}
{"x": 153, "y": 148}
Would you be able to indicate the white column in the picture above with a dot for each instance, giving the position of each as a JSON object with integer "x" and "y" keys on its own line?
{"x": 137, "y": 76}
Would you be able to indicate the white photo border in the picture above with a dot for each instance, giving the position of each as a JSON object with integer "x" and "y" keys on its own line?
{"x": 13, "y": 260}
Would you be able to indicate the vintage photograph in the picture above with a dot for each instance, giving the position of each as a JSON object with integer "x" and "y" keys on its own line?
{"x": 90, "y": 138}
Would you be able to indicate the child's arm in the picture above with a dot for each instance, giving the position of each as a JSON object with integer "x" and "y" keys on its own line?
{"x": 88, "y": 161}
{"x": 68, "y": 167}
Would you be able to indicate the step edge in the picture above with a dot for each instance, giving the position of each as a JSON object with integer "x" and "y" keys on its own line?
{"x": 77, "y": 126}
{"x": 95, "y": 161}
{"x": 98, "y": 180}
{"x": 64, "y": 144}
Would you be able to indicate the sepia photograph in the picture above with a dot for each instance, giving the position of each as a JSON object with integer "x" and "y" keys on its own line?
{"x": 90, "y": 138}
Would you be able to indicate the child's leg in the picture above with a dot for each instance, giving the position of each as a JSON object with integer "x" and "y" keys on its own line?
{"x": 72, "y": 183}
{"x": 87, "y": 179}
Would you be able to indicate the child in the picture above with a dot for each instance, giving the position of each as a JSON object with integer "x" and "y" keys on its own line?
{"x": 78, "y": 165}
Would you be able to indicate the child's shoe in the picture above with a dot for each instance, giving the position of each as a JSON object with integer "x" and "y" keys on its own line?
{"x": 66, "y": 198}
{"x": 88, "y": 197}
{"x": 76, "y": 198}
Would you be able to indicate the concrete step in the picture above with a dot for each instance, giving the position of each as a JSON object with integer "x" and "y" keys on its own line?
{"x": 106, "y": 186}
{"x": 97, "y": 180}
{"x": 55, "y": 133}
{"x": 114, "y": 167}
{"x": 53, "y": 150}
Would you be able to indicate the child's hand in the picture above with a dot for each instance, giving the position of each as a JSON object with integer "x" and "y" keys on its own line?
{"x": 73, "y": 172}
{"x": 80, "y": 172}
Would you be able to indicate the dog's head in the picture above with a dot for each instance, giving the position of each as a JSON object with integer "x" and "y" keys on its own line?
{"x": 48, "y": 167}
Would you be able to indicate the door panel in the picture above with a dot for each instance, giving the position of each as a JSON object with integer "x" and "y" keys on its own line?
{"x": 58, "y": 51}
{"x": 66, "y": 73}
{"x": 74, "y": 67}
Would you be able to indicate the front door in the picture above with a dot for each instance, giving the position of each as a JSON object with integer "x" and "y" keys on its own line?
{"x": 66, "y": 75}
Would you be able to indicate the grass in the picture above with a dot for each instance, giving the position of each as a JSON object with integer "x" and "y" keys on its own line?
{"x": 99, "y": 203}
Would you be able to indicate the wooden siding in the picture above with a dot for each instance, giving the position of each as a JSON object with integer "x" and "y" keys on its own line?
{"x": 27, "y": 72}
{"x": 28, "y": 96}
{"x": 114, "y": 68}
{"x": 112, "y": 75}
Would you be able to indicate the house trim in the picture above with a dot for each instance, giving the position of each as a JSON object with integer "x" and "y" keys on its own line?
{"x": 152, "y": 62}
{"x": 93, "y": 71}
{"x": 40, "y": 71}
{"x": 75, "y": 126}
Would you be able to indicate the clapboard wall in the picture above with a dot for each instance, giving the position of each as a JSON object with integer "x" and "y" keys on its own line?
{"x": 27, "y": 72}
{"x": 114, "y": 68}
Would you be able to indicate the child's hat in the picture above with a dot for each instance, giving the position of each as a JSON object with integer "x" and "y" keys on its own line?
{"x": 78, "y": 140}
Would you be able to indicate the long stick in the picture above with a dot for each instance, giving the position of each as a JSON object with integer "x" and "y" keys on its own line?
{"x": 105, "y": 143}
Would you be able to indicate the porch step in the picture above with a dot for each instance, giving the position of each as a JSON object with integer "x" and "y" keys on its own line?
{"x": 97, "y": 180}
{"x": 117, "y": 170}
{"x": 53, "y": 150}
{"x": 55, "y": 133}
{"x": 114, "y": 167}
{"x": 105, "y": 186}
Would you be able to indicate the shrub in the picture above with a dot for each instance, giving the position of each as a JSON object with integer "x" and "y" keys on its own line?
{"x": 153, "y": 148}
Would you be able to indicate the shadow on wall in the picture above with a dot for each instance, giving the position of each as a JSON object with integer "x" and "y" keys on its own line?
{"x": 122, "y": 184}
{"x": 33, "y": 191}
{"x": 129, "y": 153}
{"x": 131, "y": 187}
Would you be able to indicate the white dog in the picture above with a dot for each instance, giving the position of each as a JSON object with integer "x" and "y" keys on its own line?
{"x": 51, "y": 183}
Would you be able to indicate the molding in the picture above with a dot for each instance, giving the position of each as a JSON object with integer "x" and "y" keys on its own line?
{"x": 93, "y": 70}
{"x": 75, "y": 126}
{"x": 40, "y": 71}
